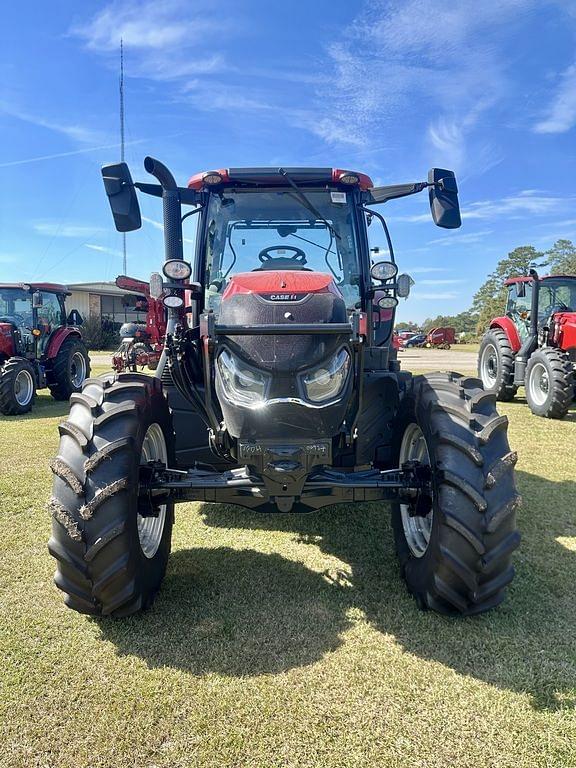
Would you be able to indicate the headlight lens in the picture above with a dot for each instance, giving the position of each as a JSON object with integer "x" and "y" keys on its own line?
{"x": 242, "y": 385}
{"x": 326, "y": 382}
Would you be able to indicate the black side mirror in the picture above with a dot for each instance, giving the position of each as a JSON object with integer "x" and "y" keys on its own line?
{"x": 444, "y": 203}
{"x": 122, "y": 197}
{"x": 74, "y": 318}
{"x": 37, "y": 300}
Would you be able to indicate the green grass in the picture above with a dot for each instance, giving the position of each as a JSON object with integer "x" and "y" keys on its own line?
{"x": 289, "y": 641}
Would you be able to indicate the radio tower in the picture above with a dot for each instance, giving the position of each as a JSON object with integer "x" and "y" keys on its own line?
{"x": 124, "y": 267}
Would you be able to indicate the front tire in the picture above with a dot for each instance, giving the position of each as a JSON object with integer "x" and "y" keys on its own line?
{"x": 496, "y": 365}
{"x": 457, "y": 559}
{"x": 70, "y": 369}
{"x": 549, "y": 383}
{"x": 17, "y": 387}
{"x": 111, "y": 559}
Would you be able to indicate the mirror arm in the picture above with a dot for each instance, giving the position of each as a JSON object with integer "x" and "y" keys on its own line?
{"x": 383, "y": 194}
{"x": 187, "y": 196}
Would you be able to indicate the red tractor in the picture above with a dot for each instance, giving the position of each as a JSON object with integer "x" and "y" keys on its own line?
{"x": 141, "y": 344}
{"x": 534, "y": 344}
{"x": 279, "y": 390}
{"x": 39, "y": 345}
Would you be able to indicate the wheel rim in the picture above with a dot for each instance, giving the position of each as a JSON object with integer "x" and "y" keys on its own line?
{"x": 150, "y": 529}
{"x": 23, "y": 387}
{"x": 77, "y": 369}
{"x": 417, "y": 530}
{"x": 489, "y": 366}
{"x": 539, "y": 384}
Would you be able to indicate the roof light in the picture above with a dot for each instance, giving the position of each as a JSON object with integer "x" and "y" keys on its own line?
{"x": 349, "y": 178}
{"x": 212, "y": 178}
{"x": 176, "y": 269}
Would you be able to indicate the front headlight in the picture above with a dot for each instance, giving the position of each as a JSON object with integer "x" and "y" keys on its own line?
{"x": 242, "y": 385}
{"x": 327, "y": 381}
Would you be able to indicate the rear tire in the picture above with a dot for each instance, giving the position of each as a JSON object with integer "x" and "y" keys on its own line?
{"x": 111, "y": 560}
{"x": 70, "y": 369}
{"x": 458, "y": 560}
{"x": 496, "y": 365}
{"x": 17, "y": 387}
{"x": 549, "y": 383}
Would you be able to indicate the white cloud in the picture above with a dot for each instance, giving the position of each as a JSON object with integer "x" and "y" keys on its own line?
{"x": 561, "y": 115}
{"x": 433, "y": 296}
{"x": 168, "y": 40}
{"x": 145, "y": 25}
{"x": 55, "y": 155}
{"x": 526, "y": 203}
{"x": 80, "y": 133}
{"x": 56, "y": 229}
{"x": 465, "y": 239}
{"x": 102, "y": 249}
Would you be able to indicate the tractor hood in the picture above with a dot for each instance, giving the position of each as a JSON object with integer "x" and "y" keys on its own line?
{"x": 565, "y": 332}
{"x": 283, "y": 386}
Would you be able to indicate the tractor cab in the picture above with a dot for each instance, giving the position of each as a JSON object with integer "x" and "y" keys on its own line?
{"x": 29, "y": 315}
{"x": 39, "y": 345}
{"x": 557, "y": 294}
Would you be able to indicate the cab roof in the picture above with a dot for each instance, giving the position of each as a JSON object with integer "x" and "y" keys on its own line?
{"x": 273, "y": 177}
{"x": 524, "y": 279}
{"x": 49, "y": 287}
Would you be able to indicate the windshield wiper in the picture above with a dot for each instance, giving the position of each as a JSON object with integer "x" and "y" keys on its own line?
{"x": 307, "y": 204}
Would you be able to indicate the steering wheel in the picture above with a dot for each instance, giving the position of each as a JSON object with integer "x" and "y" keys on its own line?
{"x": 299, "y": 257}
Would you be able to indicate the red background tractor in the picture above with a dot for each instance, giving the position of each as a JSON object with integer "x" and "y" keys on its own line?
{"x": 39, "y": 345}
{"x": 534, "y": 344}
{"x": 141, "y": 344}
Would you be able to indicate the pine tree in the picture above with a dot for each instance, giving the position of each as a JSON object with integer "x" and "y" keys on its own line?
{"x": 490, "y": 299}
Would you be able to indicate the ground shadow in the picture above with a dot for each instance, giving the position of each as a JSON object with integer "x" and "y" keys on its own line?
{"x": 43, "y": 408}
{"x": 243, "y": 613}
{"x": 528, "y": 644}
{"x": 521, "y": 402}
{"x": 236, "y": 612}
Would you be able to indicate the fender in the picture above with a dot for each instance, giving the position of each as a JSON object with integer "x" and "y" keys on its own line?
{"x": 57, "y": 339}
{"x": 506, "y": 325}
{"x": 7, "y": 345}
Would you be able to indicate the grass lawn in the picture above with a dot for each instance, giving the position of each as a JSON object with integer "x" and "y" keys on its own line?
{"x": 472, "y": 347}
{"x": 289, "y": 640}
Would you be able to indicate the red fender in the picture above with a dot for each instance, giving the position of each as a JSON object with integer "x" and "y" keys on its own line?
{"x": 57, "y": 339}
{"x": 506, "y": 325}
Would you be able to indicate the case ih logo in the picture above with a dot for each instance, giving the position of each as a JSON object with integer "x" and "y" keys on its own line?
{"x": 283, "y": 296}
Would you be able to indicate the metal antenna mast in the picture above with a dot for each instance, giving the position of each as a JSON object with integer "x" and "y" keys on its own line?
{"x": 124, "y": 266}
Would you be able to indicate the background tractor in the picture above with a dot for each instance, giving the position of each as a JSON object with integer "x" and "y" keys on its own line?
{"x": 141, "y": 344}
{"x": 534, "y": 344}
{"x": 39, "y": 345}
{"x": 279, "y": 390}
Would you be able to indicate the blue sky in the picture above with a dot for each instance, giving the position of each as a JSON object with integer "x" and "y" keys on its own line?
{"x": 389, "y": 88}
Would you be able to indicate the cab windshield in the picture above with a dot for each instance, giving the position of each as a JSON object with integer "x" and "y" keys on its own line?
{"x": 16, "y": 306}
{"x": 249, "y": 231}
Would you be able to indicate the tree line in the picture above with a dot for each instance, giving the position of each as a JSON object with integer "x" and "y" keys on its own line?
{"x": 490, "y": 299}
